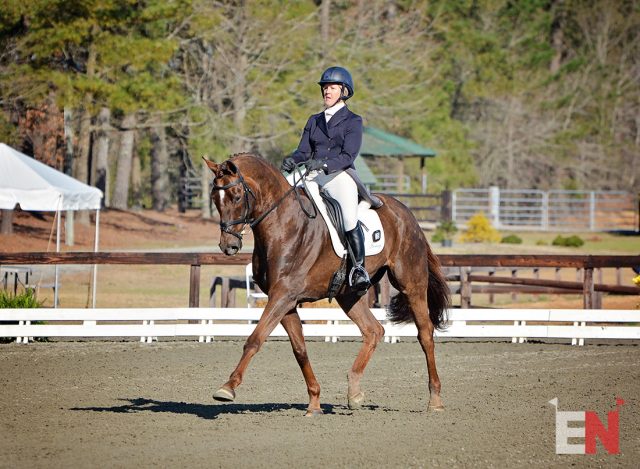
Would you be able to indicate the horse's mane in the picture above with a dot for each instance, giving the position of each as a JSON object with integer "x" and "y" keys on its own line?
{"x": 256, "y": 157}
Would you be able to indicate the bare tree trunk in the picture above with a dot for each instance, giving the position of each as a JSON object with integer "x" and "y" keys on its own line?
{"x": 115, "y": 137}
{"x": 510, "y": 143}
{"x": 123, "y": 171}
{"x": 557, "y": 38}
{"x": 325, "y": 20}
{"x": 67, "y": 166}
{"x": 84, "y": 138}
{"x": 136, "y": 182}
{"x": 101, "y": 180}
{"x": 635, "y": 158}
{"x": 69, "y": 228}
{"x": 159, "y": 169}
{"x": 6, "y": 226}
{"x": 206, "y": 200}
{"x": 239, "y": 103}
{"x": 81, "y": 163}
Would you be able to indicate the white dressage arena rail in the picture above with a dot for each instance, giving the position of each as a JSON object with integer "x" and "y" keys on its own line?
{"x": 330, "y": 323}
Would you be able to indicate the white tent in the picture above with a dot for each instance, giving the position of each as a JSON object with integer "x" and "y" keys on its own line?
{"x": 38, "y": 187}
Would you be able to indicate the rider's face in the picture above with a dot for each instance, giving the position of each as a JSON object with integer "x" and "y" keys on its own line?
{"x": 331, "y": 93}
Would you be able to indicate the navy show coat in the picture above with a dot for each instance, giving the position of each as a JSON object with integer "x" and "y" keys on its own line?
{"x": 336, "y": 143}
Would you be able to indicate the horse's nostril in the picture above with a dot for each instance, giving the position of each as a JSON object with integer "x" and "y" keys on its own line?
{"x": 231, "y": 250}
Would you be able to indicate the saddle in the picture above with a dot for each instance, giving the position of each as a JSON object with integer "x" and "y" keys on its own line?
{"x": 332, "y": 215}
{"x": 330, "y": 210}
{"x": 334, "y": 212}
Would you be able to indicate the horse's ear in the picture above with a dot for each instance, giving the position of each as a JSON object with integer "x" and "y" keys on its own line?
{"x": 212, "y": 166}
{"x": 228, "y": 167}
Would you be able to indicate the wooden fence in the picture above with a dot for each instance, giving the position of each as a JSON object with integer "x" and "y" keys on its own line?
{"x": 427, "y": 208}
{"x": 464, "y": 262}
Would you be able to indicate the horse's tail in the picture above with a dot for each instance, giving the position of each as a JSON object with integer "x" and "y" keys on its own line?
{"x": 438, "y": 298}
{"x": 438, "y": 294}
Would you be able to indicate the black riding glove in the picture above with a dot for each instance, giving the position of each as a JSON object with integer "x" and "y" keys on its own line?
{"x": 288, "y": 164}
{"x": 316, "y": 165}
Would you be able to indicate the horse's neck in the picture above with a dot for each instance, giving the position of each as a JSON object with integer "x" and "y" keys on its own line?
{"x": 283, "y": 225}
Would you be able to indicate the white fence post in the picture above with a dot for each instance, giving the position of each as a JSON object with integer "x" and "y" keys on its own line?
{"x": 545, "y": 211}
{"x": 494, "y": 206}
{"x": 592, "y": 211}
{"x": 454, "y": 199}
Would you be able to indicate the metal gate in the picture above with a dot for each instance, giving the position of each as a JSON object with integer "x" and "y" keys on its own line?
{"x": 554, "y": 210}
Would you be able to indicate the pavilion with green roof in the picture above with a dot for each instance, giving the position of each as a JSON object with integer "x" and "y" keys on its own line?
{"x": 364, "y": 173}
{"x": 378, "y": 143}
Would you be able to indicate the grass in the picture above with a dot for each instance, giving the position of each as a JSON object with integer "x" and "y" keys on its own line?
{"x": 536, "y": 242}
{"x": 144, "y": 286}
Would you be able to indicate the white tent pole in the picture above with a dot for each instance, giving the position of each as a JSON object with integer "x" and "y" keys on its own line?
{"x": 95, "y": 266}
{"x": 55, "y": 291}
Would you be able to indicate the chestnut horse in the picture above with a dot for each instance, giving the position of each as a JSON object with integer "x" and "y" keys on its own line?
{"x": 293, "y": 261}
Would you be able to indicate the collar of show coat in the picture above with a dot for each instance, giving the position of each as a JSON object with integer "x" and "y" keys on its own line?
{"x": 339, "y": 114}
{"x": 329, "y": 112}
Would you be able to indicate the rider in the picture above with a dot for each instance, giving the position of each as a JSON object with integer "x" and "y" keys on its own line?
{"x": 329, "y": 145}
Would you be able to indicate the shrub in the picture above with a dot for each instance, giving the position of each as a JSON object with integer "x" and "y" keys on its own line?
{"x": 445, "y": 230}
{"x": 569, "y": 241}
{"x": 24, "y": 300}
{"x": 512, "y": 239}
{"x": 479, "y": 230}
{"x": 541, "y": 242}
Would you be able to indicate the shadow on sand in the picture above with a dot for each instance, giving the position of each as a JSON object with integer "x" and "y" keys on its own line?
{"x": 207, "y": 411}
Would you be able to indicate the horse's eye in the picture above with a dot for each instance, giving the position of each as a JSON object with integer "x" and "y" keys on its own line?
{"x": 236, "y": 199}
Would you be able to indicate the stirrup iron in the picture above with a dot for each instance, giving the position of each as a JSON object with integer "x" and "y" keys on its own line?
{"x": 362, "y": 270}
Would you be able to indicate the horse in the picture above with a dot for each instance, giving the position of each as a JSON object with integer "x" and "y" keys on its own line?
{"x": 293, "y": 263}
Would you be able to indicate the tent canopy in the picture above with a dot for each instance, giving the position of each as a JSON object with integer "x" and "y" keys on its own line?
{"x": 376, "y": 142}
{"x": 36, "y": 186}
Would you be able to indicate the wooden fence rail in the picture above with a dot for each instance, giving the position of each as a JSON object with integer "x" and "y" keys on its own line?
{"x": 621, "y": 289}
{"x": 588, "y": 263}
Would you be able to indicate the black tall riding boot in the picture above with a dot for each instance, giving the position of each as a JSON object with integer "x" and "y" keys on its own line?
{"x": 358, "y": 277}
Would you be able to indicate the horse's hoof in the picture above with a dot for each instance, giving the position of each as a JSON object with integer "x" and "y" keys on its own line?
{"x": 435, "y": 408}
{"x": 355, "y": 402}
{"x": 314, "y": 413}
{"x": 224, "y": 394}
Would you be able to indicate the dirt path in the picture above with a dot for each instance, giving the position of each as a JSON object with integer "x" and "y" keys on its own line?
{"x": 125, "y": 404}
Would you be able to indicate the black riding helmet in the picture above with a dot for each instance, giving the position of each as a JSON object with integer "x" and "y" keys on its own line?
{"x": 339, "y": 76}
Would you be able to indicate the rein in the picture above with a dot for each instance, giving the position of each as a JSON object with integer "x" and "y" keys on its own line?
{"x": 246, "y": 220}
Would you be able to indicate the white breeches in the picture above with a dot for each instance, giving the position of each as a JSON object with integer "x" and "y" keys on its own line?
{"x": 343, "y": 188}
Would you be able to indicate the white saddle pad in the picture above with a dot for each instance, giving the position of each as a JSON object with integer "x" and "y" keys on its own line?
{"x": 371, "y": 225}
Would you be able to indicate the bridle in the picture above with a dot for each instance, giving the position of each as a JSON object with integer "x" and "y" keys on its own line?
{"x": 245, "y": 220}
{"x": 225, "y": 226}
